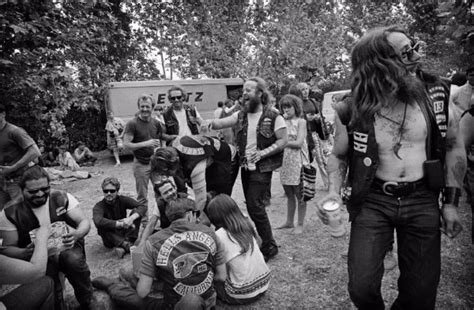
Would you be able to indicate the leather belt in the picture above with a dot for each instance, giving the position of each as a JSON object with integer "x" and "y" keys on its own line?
{"x": 398, "y": 189}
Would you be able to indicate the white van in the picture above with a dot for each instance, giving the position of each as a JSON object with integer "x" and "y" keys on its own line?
{"x": 328, "y": 99}
{"x": 203, "y": 94}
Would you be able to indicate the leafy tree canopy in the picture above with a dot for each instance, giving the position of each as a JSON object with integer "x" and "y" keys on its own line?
{"x": 57, "y": 57}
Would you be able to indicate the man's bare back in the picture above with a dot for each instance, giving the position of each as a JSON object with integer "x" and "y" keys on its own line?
{"x": 401, "y": 152}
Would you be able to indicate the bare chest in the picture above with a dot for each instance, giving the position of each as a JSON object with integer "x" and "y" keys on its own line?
{"x": 397, "y": 130}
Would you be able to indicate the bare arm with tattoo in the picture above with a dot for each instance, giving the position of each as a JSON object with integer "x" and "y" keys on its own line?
{"x": 455, "y": 170}
{"x": 337, "y": 167}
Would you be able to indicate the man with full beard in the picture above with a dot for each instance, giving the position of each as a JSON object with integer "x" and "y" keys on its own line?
{"x": 260, "y": 139}
{"x": 43, "y": 206}
{"x": 401, "y": 151}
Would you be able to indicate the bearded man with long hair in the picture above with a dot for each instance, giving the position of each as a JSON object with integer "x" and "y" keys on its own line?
{"x": 396, "y": 138}
{"x": 260, "y": 138}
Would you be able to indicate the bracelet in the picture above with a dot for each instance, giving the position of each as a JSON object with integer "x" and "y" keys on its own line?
{"x": 451, "y": 195}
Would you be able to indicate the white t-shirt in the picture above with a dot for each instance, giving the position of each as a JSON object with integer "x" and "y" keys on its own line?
{"x": 218, "y": 112}
{"x": 247, "y": 274}
{"x": 253, "y": 119}
{"x": 183, "y": 123}
{"x": 42, "y": 214}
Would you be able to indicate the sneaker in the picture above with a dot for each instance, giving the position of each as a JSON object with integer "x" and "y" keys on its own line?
{"x": 390, "y": 261}
{"x": 102, "y": 283}
{"x": 120, "y": 252}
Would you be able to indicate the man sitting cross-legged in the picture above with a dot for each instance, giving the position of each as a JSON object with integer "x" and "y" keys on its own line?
{"x": 43, "y": 206}
{"x": 116, "y": 229}
{"x": 182, "y": 256}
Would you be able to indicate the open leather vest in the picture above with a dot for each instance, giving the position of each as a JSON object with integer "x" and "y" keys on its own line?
{"x": 363, "y": 151}
{"x": 25, "y": 220}
{"x": 265, "y": 138}
{"x": 172, "y": 125}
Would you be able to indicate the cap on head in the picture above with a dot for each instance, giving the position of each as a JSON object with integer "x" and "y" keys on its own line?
{"x": 178, "y": 208}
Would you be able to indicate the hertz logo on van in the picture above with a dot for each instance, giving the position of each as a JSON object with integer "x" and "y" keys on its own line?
{"x": 195, "y": 97}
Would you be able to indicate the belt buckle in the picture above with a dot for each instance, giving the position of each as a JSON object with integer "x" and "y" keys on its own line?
{"x": 386, "y": 184}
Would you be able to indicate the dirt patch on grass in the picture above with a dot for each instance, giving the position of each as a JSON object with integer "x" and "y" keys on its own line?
{"x": 310, "y": 271}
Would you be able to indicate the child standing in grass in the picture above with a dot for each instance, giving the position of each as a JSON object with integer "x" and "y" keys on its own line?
{"x": 242, "y": 276}
{"x": 294, "y": 157}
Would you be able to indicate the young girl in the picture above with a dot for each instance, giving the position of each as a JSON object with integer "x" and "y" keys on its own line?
{"x": 115, "y": 130}
{"x": 242, "y": 276}
{"x": 295, "y": 156}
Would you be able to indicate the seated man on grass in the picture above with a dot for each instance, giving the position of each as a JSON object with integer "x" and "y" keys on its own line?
{"x": 116, "y": 229}
{"x": 83, "y": 155}
{"x": 43, "y": 206}
{"x": 182, "y": 256}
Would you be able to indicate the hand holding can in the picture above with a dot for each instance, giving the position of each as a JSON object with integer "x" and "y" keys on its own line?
{"x": 251, "y": 166}
{"x": 335, "y": 221}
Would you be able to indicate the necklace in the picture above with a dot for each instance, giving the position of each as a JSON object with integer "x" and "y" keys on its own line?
{"x": 396, "y": 147}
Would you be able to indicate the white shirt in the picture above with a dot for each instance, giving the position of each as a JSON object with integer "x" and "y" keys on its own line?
{"x": 183, "y": 123}
{"x": 42, "y": 214}
{"x": 218, "y": 112}
{"x": 253, "y": 119}
{"x": 247, "y": 273}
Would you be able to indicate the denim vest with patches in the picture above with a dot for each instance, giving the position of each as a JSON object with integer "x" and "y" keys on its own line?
{"x": 363, "y": 156}
{"x": 265, "y": 138}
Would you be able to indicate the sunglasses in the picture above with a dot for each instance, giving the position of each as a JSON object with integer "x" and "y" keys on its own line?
{"x": 36, "y": 191}
{"x": 109, "y": 191}
{"x": 408, "y": 54}
{"x": 176, "y": 98}
{"x": 197, "y": 213}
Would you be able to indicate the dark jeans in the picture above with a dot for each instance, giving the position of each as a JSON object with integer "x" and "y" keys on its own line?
{"x": 416, "y": 219}
{"x": 115, "y": 237}
{"x": 187, "y": 302}
{"x": 469, "y": 182}
{"x": 255, "y": 184}
{"x": 125, "y": 297}
{"x": 73, "y": 264}
{"x": 38, "y": 294}
{"x": 87, "y": 159}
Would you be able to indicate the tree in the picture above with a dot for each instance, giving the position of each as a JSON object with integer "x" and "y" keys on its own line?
{"x": 58, "y": 57}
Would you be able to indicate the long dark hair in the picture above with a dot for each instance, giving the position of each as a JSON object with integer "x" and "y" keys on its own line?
{"x": 294, "y": 101}
{"x": 224, "y": 212}
{"x": 379, "y": 74}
